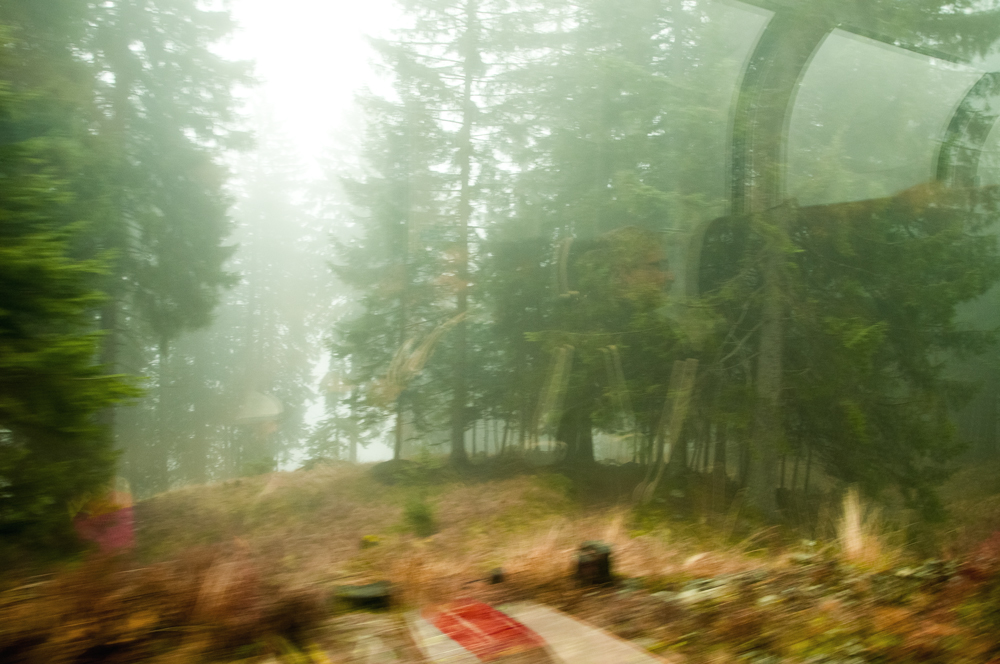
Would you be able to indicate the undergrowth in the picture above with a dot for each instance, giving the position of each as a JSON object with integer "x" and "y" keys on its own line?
{"x": 247, "y": 568}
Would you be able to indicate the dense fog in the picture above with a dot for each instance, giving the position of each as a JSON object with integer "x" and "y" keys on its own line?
{"x": 493, "y": 228}
{"x": 338, "y": 333}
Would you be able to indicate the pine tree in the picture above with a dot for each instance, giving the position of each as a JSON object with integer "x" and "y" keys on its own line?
{"x": 384, "y": 257}
{"x": 52, "y": 450}
{"x": 167, "y": 113}
{"x": 615, "y": 134}
{"x": 774, "y": 291}
{"x": 434, "y": 146}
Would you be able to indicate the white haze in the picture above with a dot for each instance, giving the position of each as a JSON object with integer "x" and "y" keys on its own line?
{"x": 311, "y": 58}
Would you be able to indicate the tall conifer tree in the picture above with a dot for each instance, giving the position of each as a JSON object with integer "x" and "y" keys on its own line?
{"x": 167, "y": 113}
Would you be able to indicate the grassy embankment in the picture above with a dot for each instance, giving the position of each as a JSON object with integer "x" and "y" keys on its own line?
{"x": 246, "y": 569}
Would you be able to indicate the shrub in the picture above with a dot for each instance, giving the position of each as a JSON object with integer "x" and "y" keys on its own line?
{"x": 419, "y": 517}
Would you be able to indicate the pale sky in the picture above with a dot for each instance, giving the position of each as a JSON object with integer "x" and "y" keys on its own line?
{"x": 311, "y": 58}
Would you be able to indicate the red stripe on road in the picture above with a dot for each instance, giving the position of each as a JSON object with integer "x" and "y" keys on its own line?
{"x": 482, "y": 630}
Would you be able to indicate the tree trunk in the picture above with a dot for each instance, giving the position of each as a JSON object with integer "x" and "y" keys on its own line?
{"x": 404, "y": 294}
{"x": 397, "y": 448}
{"x": 719, "y": 476}
{"x": 115, "y": 235}
{"x": 809, "y": 460}
{"x": 158, "y": 453}
{"x": 795, "y": 471}
{"x": 576, "y": 432}
{"x": 765, "y": 100}
{"x": 767, "y": 415}
{"x": 353, "y": 432}
{"x": 677, "y": 465}
{"x": 470, "y": 62}
{"x": 193, "y": 454}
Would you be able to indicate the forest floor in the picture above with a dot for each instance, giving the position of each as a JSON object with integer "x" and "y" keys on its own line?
{"x": 249, "y": 570}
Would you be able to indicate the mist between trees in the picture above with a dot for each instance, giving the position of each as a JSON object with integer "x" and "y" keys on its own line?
{"x": 554, "y": 205}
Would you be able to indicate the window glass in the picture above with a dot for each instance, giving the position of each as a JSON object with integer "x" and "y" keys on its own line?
{"x": 869, "y": 119}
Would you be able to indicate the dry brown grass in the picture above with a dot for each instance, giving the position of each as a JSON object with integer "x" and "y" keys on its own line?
{"x": 862, "y": 535}
{"x": 308, "y": 526}
{"x": 972, "y": 497}
{"x": 250, "y": 563}
{"x": 244, "y": 569}
{"x": 207, "y": 601}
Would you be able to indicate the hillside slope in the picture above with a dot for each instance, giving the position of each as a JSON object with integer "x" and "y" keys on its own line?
{"x": 249, "y": 570}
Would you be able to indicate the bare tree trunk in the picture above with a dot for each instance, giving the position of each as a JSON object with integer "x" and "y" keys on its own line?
{"x": 353, "y": 431}
{"x": 719, "y": 461}
{"x": 470, "y": 62}
{"x": 678, "y": 463}
{"x": 767, "y": 416}
{"x": 765, "y": 100}
{"x": 744, "y": 463}
{"x": 397, "y": 447}
{"x": 706, "y": 459}
{"x": 672, "y": 419}
{"x": 575, "y": 430}
{"x": 809, "y": 459}
{"x": 157, "y": 453}
{"x": 719, "y": 476}
{"x": 404, "y": 293}
{"x": 116, "y": 235}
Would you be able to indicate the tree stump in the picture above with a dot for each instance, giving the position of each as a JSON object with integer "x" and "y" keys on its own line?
{"x": 593, "y": 564}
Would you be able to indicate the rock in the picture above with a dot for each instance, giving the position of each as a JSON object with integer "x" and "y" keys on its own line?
{"x": 371, "y": 596}
{"x": 709, "y": 590}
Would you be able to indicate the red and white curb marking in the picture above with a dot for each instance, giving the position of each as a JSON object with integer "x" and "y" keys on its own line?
{"x": 469, "y": 632}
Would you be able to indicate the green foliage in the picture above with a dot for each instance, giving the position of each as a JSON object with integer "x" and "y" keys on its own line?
{"x": 872, "y": 290}
{"x": 162, "y": 115}
{"x": 557, "y": 483}
{"x": 389, "y": 264}
{"x": 419, "y": 516}
{"x": 51, "y": 389}
{"x": 112, "y": 116}
{"x": 600, "y": 144}
{"x": 260, "y": 466}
